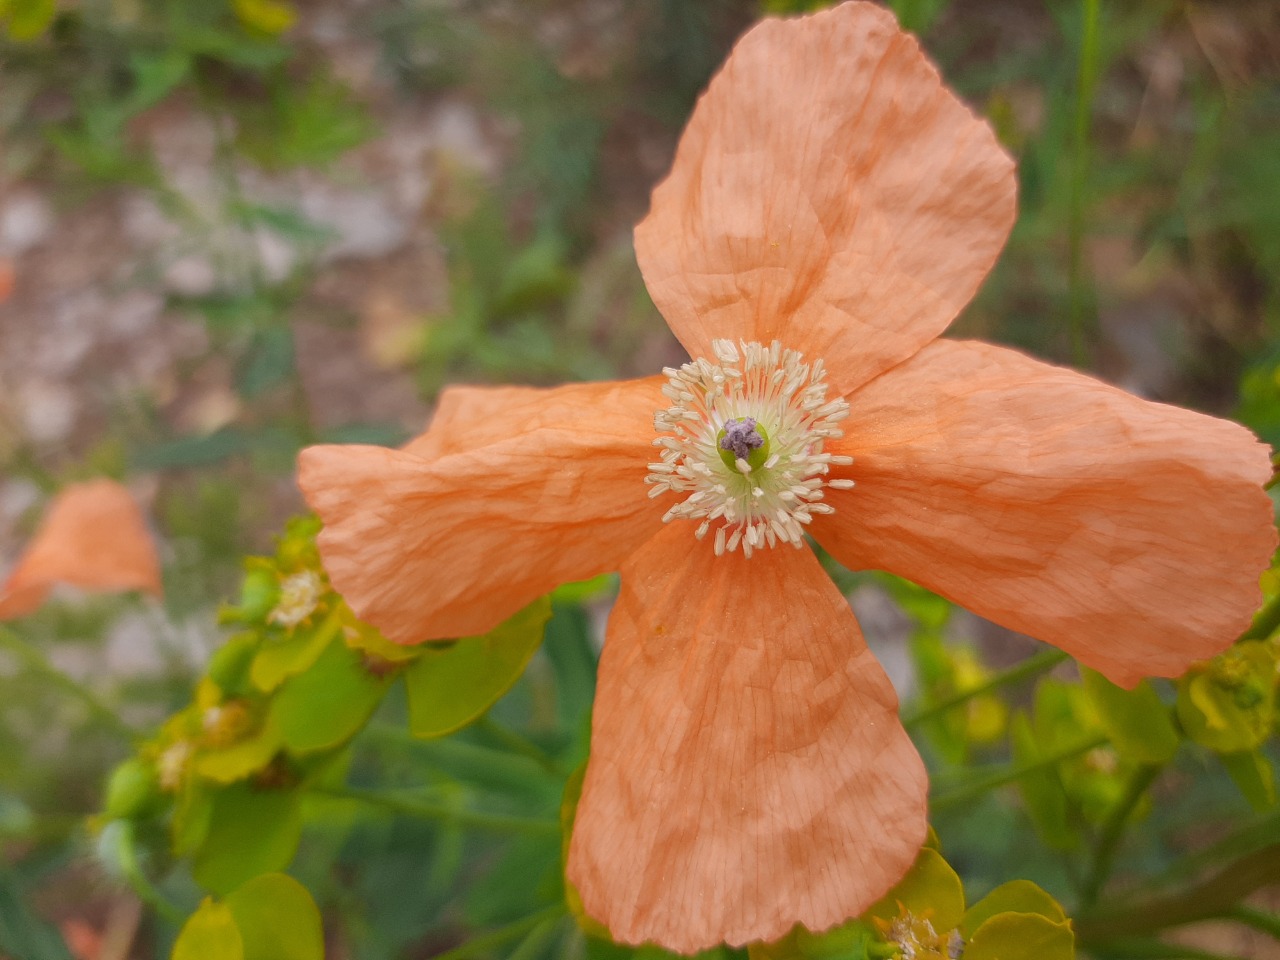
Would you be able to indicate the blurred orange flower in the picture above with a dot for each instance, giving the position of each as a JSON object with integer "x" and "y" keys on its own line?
{"x": 92, "y": 537}
{"x": 6, "y": 279}
{"x": 830, "y": 209}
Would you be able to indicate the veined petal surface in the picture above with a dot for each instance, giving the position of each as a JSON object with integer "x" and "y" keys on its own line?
{"x": 92, "y": 537}
{"x": 1129, "y": 533}
{"x": 528, "y": 495}
{"x": 467, "y": 417}
{"x": 828, "y": 192}
{"x": 748, "y": 771}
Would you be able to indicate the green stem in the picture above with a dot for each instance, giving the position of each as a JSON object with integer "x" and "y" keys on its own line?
{"x": 1113, "y": 830}
{"x": 1086, "y": 81}
{"x": 1263, "y": 832}
{"x": 496, "y": 938}
{"x": 1214, "y": 896}
{"x": 1009, "y": 774}
{"x": 1267, "y": 923}
{"x": 38, "y": 663}
{"x": 1032, "y": 666}
{"x": 479, "y": 762}
{"x": 424, "y": 810}
{"x": 536, "y": 941}
{"x": 147, "y": 891}
{"x": 518, "y": 744}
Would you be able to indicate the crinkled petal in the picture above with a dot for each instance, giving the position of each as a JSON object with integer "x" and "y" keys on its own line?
{"x": 829, "y": 192}
{"x": 1129, "y": 533}
{"x": 468, "y": 417}
{"x": 748, "y": 770}
{"x": 93, "y": 537}
{"x": 532, "y": 494}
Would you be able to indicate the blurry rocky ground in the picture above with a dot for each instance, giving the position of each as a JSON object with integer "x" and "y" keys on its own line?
{"x": 226, "y": 243}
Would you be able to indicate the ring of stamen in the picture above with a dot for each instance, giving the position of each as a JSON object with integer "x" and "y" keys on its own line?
{"x": 743, "y": 441}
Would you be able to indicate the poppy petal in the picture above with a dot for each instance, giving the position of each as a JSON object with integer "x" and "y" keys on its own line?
{"x": 93, "y": 537}
{"x": 527, "y": 496}
{"x": 468, "y": 417}
{"x": 828, "y": 192}
{"x": 1129, "y": 533}
{"x": 748, "y": 771}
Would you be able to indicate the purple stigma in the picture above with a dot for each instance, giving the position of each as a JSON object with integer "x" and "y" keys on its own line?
{"x": 741, "y": 437}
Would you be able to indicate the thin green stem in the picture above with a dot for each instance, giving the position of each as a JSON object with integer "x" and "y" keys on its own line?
{"x": 478, "y": 761}
{"x": 536, "y": 941}
{"x": 1261, "y": 920}
{"x": 1039, "y": 663}
{"x": 518, "y": 744}
{"x": 1010, "y": 774}
{"x": 147, "y": 891}
{"x": 496, "y": 938}
{"x": 1113, "y": 830}
{"x": 411, "y": 806}
{"x": 1263, "y": 832}
{"x": 1213, "y": 896}
{"x": 1086, "y": 82}
{"x": 36, "y": 662}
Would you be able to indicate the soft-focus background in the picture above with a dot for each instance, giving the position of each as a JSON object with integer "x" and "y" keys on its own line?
{"x": 231, "y": 228}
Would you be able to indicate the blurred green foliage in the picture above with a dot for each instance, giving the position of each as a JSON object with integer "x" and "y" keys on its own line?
{"x": 417, "y": 796}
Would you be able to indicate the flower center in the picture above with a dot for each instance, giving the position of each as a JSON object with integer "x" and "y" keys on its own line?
{"x": 299, "y": 596}
{"x": 743, "y": 440}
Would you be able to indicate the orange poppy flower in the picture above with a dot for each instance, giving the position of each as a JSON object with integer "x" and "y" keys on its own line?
{"x": 92, "y": 537}
{"x": 831, "y": 208}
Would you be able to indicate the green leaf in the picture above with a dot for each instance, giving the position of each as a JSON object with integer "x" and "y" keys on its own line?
{"x": 328, "y": 703}
{"x": 1252, "y": 773}
{"x": 237, "y": 761}
{"x": 268, "y": 361}
{"x": 303, "y": 125}
{"x": 1042, "y": 792}
{"x": 930, "y": 889}
{"x": 536, "y": 277}
{"x": 259, "y": 592}
{"x": 451, "y": 686}
{"x": 851, "y": 941}
{"x": 277, "y": 660}
{"x": 229, "y": 665}
{"x": 277, "y": 919}
{"x": 1021, "y": 936}
{"x": 155, "y": 75}
{"x": 376, "y": 647}
{"x": 251, "y": 831}
{"x": 1016, "y": 896}
{"x": 191, "y": 813}
{"x": 209, "y": 934}
{"x": 567, "y": 644}
{"x": 1136, "y": 720}
{"x": 1063, "y": 713}
{"x": 229, "y": 46}
{"x": 191, "y": 451}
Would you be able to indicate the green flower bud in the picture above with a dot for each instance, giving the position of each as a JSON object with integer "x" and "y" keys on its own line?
{"x": 133, "y": 790}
